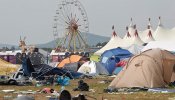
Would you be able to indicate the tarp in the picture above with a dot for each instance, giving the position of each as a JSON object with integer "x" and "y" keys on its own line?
{"x": 152, "y": 68}
{"x": 71, "y": 66}
{"x": 38, "y": 71}
{"x": 71, "y": 59}
{"x": 93, "y": 68}
{"x": 46, "y": 70}
{"x": 110, "y": 57}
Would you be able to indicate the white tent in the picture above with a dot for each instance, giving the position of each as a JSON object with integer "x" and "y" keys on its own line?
{"x": 172, "y": 34}
{"x": 128, "y": 41}
{"x": 149, "y": 37}
{"x": 164, "y": 45}
{"x": 93, "y": 68}
{"x": 146, "y": 35}
{"x": 137, "y": 40}
{"x": 114, "y": 42}
{"x": 131, "y": 37}
{"x": 131, "y": 30}
{"x": 161, "y": 33}
{"x": 135, "y": 49}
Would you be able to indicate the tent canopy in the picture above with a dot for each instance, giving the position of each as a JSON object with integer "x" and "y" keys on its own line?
{"x": 118, "y": 52}
{"x": 110, "y": 57}
{"x": 71, "y": 59}
{"x": 152, "y": 68}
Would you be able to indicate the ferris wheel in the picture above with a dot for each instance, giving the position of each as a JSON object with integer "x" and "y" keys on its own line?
{"x": 70, "y": 26}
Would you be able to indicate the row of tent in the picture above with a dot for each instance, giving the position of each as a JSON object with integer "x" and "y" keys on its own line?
{"x": 139, "y": 38}
{"x": 105, "y": 66}
{"x": 77, "y": 63}
{"x": 109, "y": 58}
{"x": 152, "y": 68}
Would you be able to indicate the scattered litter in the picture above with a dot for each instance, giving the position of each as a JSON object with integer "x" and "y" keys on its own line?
{"x": 28, "y": 92}
{"x": 24, "y": 97}
{"x": 63, "y": 81}
{"x": 173, "y": 98}
{"x": 114, "y": 76}
{"x": 91, "y": 90}
{"x": 104, "y": 81}
{"x": 48, "y": 96}
{"x": 8, "y": 91}
{"x": 19, "y": 95}
{"x": 128, "y": 90}
{"x": 161, "y": 90}
{"x": 55, "y": 94}
{"x": 7, "y": 97}
{"x": 53, "y": 98}
{"x": 47, "y": 90}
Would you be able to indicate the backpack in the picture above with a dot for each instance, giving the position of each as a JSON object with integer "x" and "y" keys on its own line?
{"x": 82, "y": 86}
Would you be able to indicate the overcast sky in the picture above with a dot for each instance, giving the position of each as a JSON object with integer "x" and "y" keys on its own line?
{"x": 34, "y": 18}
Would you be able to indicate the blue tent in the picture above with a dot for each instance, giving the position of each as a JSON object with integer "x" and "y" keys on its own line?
{"x": 117, "y": 70}
{"x": 110, "y": 57}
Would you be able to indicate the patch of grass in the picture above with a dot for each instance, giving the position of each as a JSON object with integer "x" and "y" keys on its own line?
{"x": 96, "y": 86}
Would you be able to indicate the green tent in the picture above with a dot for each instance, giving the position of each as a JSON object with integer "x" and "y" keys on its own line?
{"x": 95, "y": 58}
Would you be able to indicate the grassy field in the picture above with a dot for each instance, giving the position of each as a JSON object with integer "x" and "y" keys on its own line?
{"x": 97, "y": 92}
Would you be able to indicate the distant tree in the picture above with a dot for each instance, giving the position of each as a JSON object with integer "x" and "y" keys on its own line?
{"x": 5, "y": 48}
{"x": 98, "y": 44}
{"x": 12, "y": 48}
{"x": 104, "y": 43}
{"x": 47, "y": 49}
{"x": 101, "y": 44}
